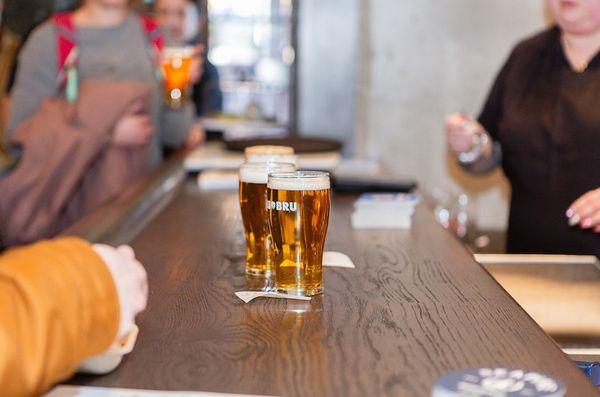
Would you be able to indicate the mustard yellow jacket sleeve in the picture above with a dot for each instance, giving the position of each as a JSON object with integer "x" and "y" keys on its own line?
{"x": 58, "y": 305}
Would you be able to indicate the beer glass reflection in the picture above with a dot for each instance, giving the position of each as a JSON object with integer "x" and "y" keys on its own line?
{"x": 253, "y": 198}
{"x": 299, "y": 215}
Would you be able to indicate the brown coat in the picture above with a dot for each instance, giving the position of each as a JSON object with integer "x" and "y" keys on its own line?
{"x": 69, "y": 165}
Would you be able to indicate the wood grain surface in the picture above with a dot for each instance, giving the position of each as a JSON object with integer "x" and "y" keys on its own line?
{"x": 416, "y": 307}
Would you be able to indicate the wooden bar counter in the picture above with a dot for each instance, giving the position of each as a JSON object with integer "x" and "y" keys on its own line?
{"x": 416, "y": 307}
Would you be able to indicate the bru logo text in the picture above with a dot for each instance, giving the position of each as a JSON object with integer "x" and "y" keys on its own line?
{"x": 282, "y": 206}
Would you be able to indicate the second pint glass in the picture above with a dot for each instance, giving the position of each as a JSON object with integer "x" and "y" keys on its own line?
{"x": 298, "y": 214}
{"x": 253, "y": 204}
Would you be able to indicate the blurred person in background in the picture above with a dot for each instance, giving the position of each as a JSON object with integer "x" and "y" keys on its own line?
{"x": 541, "y": 121}
{"x": 180, "y": 20}
{"x": 19, "y": 18}
{"x": 102, "y": 60}
{"x": 111, "y": 45}
{"x": 63, "y": 301}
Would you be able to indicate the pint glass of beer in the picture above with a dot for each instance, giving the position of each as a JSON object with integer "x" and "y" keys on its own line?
{"x": 176, "y": 70}
{"x": 298, "y": 216}
{"x": 253, "y": 204}
{"x": 262, "y": 153}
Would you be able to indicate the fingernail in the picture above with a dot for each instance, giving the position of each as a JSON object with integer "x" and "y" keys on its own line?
{"x": 587, "y": 222}
{"x": 570, "y": 212}
{"x": 573, "y": 219}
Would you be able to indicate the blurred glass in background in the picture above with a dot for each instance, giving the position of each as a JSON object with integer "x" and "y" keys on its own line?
{"x": 454, "y": 212}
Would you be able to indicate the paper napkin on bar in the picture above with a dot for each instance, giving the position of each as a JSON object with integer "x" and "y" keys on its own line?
{"x": 248, "y": 296}
{"x": 330, "y": 259}
{"x": 384, "y": 210}
{"x": 337, "y": 259}
{"x": 218, "y": 180}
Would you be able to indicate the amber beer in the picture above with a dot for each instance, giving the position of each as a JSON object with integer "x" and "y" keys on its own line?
{"x": 253, "y": 204}
{"x": 176, "y": 70}
{"x": 298, "y": 214}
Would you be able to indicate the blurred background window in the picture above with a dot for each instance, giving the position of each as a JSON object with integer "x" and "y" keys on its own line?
{"x": 250, "y": 42}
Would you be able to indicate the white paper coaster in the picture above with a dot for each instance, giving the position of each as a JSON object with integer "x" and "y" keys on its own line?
{"x": 337, "y": 259}
{"x": 247, "y": 296}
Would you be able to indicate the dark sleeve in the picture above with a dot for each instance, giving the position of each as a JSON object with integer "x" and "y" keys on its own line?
{"x": 491, "y": 114}
{"x": 207, "y": 94}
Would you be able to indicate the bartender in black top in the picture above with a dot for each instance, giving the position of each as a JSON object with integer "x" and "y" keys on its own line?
{"x": 541, "y": 121}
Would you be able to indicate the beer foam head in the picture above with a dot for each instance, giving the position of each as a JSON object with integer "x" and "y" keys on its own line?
{"x": 268, "y": 149}
{"x": 259, "y": 172}
{"x": 299, "y": 180}
{"x": 272, "y": 157}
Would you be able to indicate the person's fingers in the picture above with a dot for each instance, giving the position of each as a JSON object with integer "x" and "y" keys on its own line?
{"x": 467, "y": 117}
{"x": 453, "y": 117}
{"x": 587, "y": 210}
{"x": 136, "y": 107}
{"x": 459, "y": 141}
{"x": 142, "y": 301}
{"x": 143, "y": 279}
{"x": 577, "y": 204}
{"x": 455, "y": 126}
{"x": 140, "y": 270}
{"x": 147, "y": 121}
{"x": 144, "y": 128}
{"x": 127, "y": 251}
{"x": 195, "y": 70}
{"x": 582, "y": 200}
{"x": 591, "y": 221}
{"x": 142, "y": 119}
{"x": 586, "y": 205}
{"x": 101, "y": 247}
{"x": 130, "y": 281}
{"x": 148, "y": 132}
{"x": 195, "y": 136}
{"x": 458, "y": 119}
{"x": 450, "y": 125}
{"x": 138, "y": 283}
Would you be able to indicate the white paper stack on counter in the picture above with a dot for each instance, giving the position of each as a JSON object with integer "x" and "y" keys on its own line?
{"x": 218, "y": 180}
{"x": 384, "y": 210}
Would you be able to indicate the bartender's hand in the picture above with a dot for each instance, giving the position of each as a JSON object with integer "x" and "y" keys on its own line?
{"x": 135, "y": 127}
{"x": 586, "y": 210}
{"x": 130, "y": 281}
{"x": 460, "y": 129}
